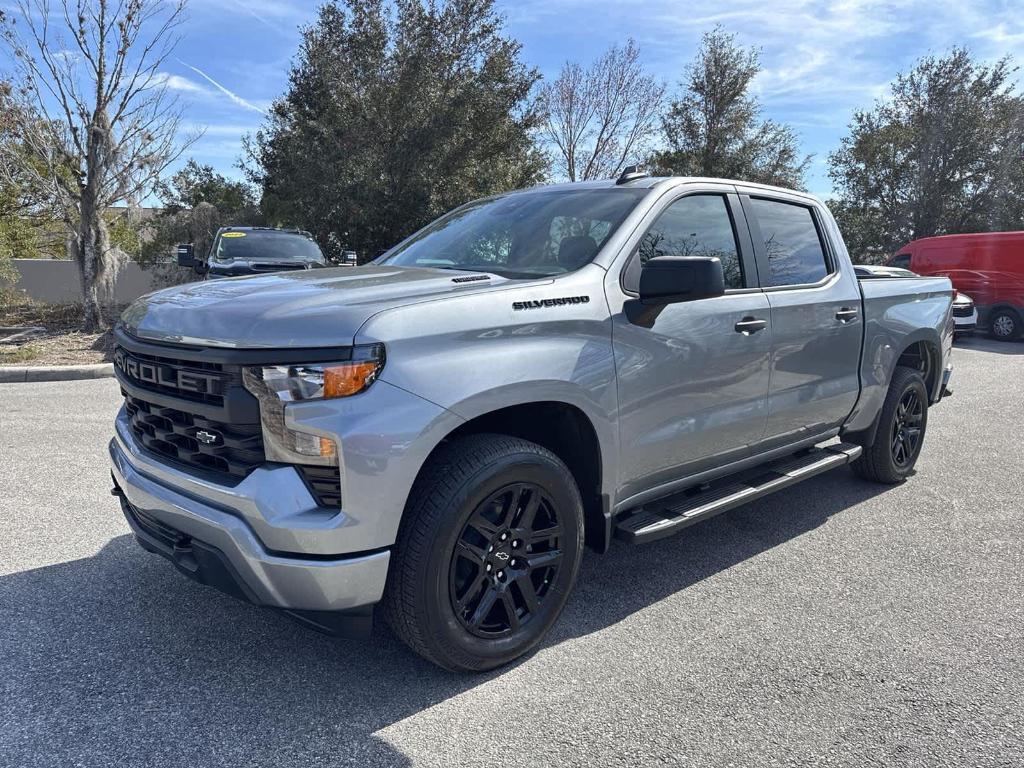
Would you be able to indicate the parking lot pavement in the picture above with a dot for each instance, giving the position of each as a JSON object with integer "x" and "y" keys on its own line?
{"x": 835, "y": 623}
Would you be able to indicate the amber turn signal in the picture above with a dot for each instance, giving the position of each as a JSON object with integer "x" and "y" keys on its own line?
{"x": 349, "y": 378}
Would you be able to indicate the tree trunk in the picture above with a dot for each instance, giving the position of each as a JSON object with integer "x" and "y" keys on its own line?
{"x": 91, "y": 250}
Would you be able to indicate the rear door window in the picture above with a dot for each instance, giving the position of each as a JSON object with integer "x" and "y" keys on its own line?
{"x": 901, "y": 260}
{"x": 792, "y": 244}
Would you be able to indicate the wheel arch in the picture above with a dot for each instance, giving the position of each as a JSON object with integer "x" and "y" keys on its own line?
{"x": 925, "y": 356}
{"x": 920, "y": 351}
{"x": 570, "y": 433}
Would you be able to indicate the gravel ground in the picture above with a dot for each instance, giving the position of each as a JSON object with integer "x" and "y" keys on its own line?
{"x": 63, "y": 342}
{"x": 835, "y": 623}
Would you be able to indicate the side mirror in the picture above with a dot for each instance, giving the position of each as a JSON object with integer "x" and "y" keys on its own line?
{"x": 186, "y": 257}
{"x": 671, "y": 279}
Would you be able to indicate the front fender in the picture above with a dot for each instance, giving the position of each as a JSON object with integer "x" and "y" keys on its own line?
{"x": 473, "y": 355}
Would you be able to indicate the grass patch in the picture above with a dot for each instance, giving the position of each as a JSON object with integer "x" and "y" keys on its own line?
{"x": 22, "y": 354}
{"x": 53, "y": 317}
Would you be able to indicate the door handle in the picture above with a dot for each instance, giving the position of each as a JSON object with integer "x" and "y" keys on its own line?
{"x": 749, "y": 325}
{"x": 846, "y": 315}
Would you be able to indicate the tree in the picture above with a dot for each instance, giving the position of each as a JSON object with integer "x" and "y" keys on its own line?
{"x": 107, "y": 125}
{"x": 196, "y": 202}
{"x": 195, "y": 184}
{"x": 395, "y": 112}
{"x": 601, "y": 119}
{"x": 943, "y": 154}
{"x": 714, "y": 128}
{"x": 24, "y": 209}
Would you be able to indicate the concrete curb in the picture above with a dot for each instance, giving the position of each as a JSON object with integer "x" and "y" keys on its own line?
{"x": 12, "y": 374}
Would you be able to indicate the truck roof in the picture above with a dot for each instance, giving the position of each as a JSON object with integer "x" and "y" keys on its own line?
{"x": 1012, "y": 235}
{"x": 647, "y": 182}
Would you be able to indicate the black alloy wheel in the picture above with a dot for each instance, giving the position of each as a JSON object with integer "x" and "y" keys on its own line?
{"x": 895, "y": 445}
{"x": 505, "y": 560}
{"x": 487, "y": 552}
{"x": 906, "y": 429}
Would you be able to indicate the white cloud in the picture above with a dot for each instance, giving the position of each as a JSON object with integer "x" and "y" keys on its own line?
{"x": 181, "y": 84}
{"x": 1000, "y": 34}
{"x": 279, "y": 15}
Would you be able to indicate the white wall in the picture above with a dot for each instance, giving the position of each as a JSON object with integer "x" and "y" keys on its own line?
{"x": 56, "y": 281}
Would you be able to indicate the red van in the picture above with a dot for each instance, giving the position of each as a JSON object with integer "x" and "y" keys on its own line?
{"x": 988, "y": 267}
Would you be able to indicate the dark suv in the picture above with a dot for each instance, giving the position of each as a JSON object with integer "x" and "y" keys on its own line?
{"x": 253, "y": 250}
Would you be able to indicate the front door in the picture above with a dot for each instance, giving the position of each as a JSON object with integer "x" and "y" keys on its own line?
{"x": 692, "y": 376}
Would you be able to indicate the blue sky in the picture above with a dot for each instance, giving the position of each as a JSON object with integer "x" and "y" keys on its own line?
{"x": 821, "y": 59}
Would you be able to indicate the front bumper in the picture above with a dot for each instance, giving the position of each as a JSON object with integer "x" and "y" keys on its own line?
{"x": 222, "y": 532}
{"x": 965, "y": 324}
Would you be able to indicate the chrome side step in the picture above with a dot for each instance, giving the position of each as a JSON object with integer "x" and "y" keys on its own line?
{"x": 667, "y": 516}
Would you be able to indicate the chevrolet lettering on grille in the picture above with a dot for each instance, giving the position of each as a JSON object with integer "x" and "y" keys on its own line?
{"x": 161, "y": 375}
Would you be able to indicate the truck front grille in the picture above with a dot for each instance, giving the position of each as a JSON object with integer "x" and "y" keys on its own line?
{"x": 196, "y": 381}
{"x": 187, "y": 438}
{"x": 963, "y": 310}
{"x": 196, "y": 414}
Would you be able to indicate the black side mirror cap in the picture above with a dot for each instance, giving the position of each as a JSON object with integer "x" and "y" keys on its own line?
{"x": 186, "y": 255}
{"x": 671, "y": 279}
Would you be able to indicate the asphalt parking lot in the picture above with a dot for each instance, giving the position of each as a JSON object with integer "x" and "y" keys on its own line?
{"x": 835, "y": 623}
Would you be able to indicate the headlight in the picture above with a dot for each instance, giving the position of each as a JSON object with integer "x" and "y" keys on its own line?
{"x": 316, "y": 381}
{"x": 277, "y": 385}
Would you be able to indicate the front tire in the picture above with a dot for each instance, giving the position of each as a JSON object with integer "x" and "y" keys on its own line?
{"x": 901, "y": 428}
{"x": 1004, "y": 325}
{"x": 487, "y": 552}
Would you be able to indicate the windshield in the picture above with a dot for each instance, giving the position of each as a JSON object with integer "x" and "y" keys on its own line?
{"x": 265, "y": 245}
{"x": 533, "y": 234}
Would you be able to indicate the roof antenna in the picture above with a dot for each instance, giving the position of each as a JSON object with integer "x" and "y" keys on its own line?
{"x": 631, "y": 173}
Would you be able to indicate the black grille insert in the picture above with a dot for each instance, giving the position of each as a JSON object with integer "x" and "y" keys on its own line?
{"x": 190, "y": 439}
{"x": 963, "y": 310}
{"x": 324, "y": 483}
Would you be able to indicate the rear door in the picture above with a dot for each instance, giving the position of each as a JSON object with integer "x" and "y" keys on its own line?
{"x": 692, "y": 376}
{"x": 815, "y": 317}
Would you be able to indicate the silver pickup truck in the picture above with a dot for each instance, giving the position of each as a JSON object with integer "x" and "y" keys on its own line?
{"x": 441, "y": 432}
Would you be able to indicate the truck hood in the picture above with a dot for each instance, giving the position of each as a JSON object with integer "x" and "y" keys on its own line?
{"x": 305, "y": 308}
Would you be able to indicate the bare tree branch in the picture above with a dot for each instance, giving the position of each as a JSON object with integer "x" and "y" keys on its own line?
{"x": 104, "y": 125}
{"x": 600, "y": 119}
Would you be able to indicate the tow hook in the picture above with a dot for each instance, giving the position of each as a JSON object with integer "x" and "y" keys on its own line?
{"x": 183, "y": 556}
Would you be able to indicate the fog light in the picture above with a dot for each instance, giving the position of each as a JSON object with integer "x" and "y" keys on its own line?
{"x": 314, "y": 445}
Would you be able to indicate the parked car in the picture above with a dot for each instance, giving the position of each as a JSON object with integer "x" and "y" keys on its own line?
{"x": 238, "y": 251}
{"x": 965, "y": 315}
{"x": 441, "y": 432}
{"x": 988, "y": 266}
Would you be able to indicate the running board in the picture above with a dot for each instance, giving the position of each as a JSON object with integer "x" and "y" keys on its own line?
{"x": 669, "y": 515}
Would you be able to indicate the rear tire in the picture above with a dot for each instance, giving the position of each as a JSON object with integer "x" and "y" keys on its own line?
{"x": 901, "y": 429}
{"x": 1004, "y": 325}
{"x": 487, "y": 552}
